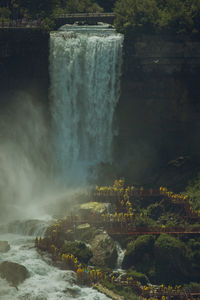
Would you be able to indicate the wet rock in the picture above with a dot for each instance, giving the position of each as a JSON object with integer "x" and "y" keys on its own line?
{"x": 4, "y": 246}
{"x": 104, "y": 251}
{"x": 93, "y": 207}
{"x": 14, "y": 273}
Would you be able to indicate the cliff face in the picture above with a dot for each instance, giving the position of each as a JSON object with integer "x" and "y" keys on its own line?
{"x": 159, "y": 110}
{"x": 23, "y": 61}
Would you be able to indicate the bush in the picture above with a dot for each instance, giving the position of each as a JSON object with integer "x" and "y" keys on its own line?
{"x": 81, "y": 6}
{"x": 140, "y": 253}
{"x": 136, "y": 15}
{"x": 142, "y": 278}
{"x": 78, "y": 249}
{"x": 144, "y": 221}
{"x": 177, "y": 16}
{"x": 126, "y": 292}
{"x": 171, "y": 260}
{"x": 4, "y": 14}
{"x": 193, "y": 190}
{"x": 154, "y": 211}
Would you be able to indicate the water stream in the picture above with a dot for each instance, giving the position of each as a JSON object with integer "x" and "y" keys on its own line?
{"x": 46, "y": 282}
{"x": 85, "y": 69}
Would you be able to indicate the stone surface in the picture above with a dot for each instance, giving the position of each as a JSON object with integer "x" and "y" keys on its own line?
{"x": 159, "y": 108}
{"x": 14, "y": 273}
{"x": 4, "y": 246}
{"x": 93, "y": 207}
{"x": 104, "y": 251}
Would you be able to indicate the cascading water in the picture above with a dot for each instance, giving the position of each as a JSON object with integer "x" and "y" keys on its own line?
{"x": 85, "y": 71}
{"x": 85, "y": 67}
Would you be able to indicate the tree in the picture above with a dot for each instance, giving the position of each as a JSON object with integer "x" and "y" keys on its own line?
{"x": 171, "y": 260}
{"x": 82, "y": 6}
{"x": 140, "y": 15}
{"x": 139, "y": 254}
{"x": 4, "y": 13}
{"x": 107, "y": 5}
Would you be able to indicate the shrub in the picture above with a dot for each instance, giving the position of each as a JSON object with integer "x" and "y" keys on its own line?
{"x": 170, "y": 259}
{"x": 142, "y": 278}
{"x": 78, "y": 249}
{"x": 140, "y": 253}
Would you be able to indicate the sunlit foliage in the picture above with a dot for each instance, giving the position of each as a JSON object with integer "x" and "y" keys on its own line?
{"x": 177, "y": 16}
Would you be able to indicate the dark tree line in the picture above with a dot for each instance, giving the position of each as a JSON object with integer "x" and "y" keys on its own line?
{"x": 177, "y": 16}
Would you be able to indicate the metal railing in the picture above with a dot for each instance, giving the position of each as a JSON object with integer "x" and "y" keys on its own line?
{"x": 21, "y": 23}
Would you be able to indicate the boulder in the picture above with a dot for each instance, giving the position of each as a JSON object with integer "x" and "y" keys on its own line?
{"x": 14, "y": 273}
{"x": 104, "y": 251}
{"x": 93, "y": 207}
{"x": 4, "y": 246}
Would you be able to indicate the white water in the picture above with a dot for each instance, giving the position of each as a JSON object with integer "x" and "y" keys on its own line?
{"x": 120, "y": 253}
{"x": 45, "y": 282}
{"x": 85, "y": 66}
{"x": 85, "y": 71}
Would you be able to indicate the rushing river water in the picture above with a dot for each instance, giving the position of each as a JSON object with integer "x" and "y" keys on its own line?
{"x": 36, "y": 158}
{"x": 46, "y": 282}
{"x": 85, "y": 69}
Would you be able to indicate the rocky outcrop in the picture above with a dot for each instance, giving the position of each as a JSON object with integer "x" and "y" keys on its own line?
{"x": 158, "y": 111}
{"x": 4, "y": 246}
{"x": 14, "y": 273}
{"x": 104, "y": 251}
{"x": 92, "y": 208}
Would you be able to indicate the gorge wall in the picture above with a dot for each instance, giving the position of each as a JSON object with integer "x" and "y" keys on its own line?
{"x": 24, "y": 62}
{"x": 159, "y": 109}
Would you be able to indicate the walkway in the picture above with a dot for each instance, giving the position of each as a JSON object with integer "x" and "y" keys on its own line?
{"x": 88, "y": 18}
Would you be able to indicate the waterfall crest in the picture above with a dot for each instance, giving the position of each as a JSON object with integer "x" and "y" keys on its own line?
{"x": 85, "y": 68}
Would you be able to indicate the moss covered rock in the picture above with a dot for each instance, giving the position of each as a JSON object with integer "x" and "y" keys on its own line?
{"x": 104, "y": 251}
{"x": 78, "y": 249}
{"x": 139, "y": 253}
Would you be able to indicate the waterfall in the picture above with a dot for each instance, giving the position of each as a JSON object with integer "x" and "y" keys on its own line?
{"x": 85, "y": 68}
{"x": 120, "y": 253}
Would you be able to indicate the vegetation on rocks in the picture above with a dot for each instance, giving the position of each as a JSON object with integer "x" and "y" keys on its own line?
{"x": 132, "y": 16}
{"x": 172, "y": 16}
{"x": 164, "y": 249}
{"x": 78, "y": 249}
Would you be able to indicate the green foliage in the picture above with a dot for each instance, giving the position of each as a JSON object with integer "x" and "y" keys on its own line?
{"x": 178, "y": 16}
{"x": 126, "y": 292}
{"x": 4, "y": 13}
{"x": 48, "y": 24}
{"x": 154, "y": 211}
{"x": 82, "y": 6}
{"x": 142, "y": 278}
{"x": 193, "y": 190}
{"x": 107, "y": 5}
{"x": 194, "y": 286}
{"x": 171, "y": 259}
{"x": 48, "y": 10}
{"x": 144, "y": 221}
{"x": 88, "y": 235}
{"x": 136, "y": 15}
{"x": 140, "y": 253}
{"x": 78, "y": 249}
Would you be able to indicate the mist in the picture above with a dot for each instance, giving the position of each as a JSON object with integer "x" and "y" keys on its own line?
{"x": 26, "y": 161}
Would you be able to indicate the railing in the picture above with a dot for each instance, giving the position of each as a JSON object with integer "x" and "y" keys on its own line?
{"x": 21, "y": 23}
{"x": 86, "y": 15}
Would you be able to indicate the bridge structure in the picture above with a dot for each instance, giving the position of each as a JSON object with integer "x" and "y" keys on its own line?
{"x": 85, "y": 18}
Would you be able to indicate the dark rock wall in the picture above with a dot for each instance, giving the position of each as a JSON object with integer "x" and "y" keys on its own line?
{"x": 23, "y": 62}
{"x": 159, "y": 109}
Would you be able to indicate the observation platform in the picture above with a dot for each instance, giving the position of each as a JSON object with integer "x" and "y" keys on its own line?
{"x": 85, "y": 18}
